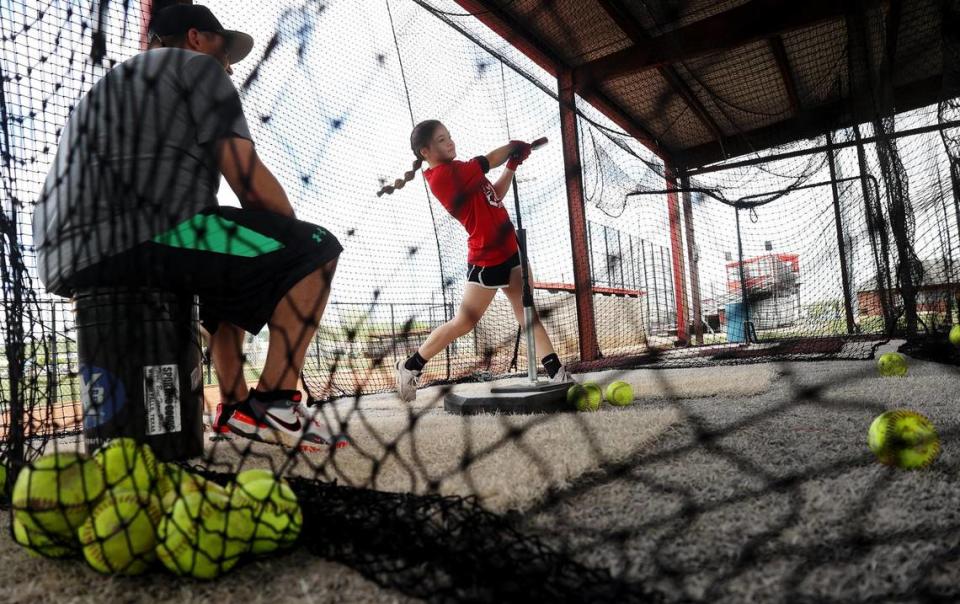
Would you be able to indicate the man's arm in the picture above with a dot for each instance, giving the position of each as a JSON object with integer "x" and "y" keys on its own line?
{"x": 255, "y": 186}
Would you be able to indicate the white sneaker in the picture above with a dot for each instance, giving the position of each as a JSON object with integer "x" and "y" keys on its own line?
{"x": 563, "y": 376}
{"x": 407, "y": 382}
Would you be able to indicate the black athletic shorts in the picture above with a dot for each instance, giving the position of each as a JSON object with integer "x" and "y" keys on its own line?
{"x": 240, "y": 263}
{"x": 493, "y": 277}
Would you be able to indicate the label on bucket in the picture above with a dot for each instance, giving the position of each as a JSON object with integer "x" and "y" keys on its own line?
{"x": 102, "y": 394}
{"x": 161, "y": 397}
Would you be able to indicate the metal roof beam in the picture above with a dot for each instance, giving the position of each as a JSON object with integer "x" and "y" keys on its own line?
{"x": 810, "y": 123}
{"x": 514, "y": 32}
{"x": 893, "y": 31}
{"x": 749, "y": 22}
{"x": 720, "y": 167}
{"x": 527, "y": 42}
{"x": 786, "y": 73}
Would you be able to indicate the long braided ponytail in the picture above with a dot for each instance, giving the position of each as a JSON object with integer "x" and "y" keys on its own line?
{"x": 420, "y": 137}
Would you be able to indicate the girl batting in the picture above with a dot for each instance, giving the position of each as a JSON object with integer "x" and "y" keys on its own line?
{"x": 493, "y": 259}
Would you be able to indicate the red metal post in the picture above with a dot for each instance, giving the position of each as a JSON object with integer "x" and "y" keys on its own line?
{"x": 146, "y": 7}
{"x": 676, "y": 249}
{"x": 589, "y": 348}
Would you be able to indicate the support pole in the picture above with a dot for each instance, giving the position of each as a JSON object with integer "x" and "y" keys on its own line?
{"x": 646, "y": 288}
{"x": 12, "y": 269}
{"x": 676, "y": 253}
{"x": 955, "y": 183}
{"x": 841, "y": 244}
{"x": 693, "y": 260}
{"x": 528, "y": 310}
{"x": 586, "y": 323}
{"x": 876, "y": 232}
{"x": 747, "y": 324}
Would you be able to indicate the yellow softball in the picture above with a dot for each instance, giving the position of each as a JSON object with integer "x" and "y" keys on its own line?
{"x": 127, "y": 464}
{"x": 277, "y": 516}
{"x": 903, "y": 438}
{"x": 39, "y": 543}
{"x": 255, "y": 474}
{"x": 203, "y": 536}
{"x": 187, "y": 483}
{"x": 120, "y": 535}
{"x": 892, "y": 364}
{"x": 585, "y": 397}
{"x": 56, "y": 493}
{"x": 168, "y": 475}
{"x": 619, "y": 393}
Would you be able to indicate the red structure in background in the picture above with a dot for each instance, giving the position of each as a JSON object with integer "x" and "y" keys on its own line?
{"x": 766, "y": 275}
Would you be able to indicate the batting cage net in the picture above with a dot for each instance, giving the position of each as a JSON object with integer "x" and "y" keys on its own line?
{"x": 195, "y": 378}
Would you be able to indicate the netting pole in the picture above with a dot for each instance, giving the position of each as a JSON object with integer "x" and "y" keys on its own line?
{"x": 606, "y": 251}
{"x": 692, "y": 259}
{"x": 11, "y": 269}
{"x": 656, "y": 289}
{"x": 948, "y": 106}
{"x": 665, "y": 274}
{"x": 426, "y": 190}
{"x": 955, "y": 184}
{"x": 586, "y": 322}
{"x": 747, "y": 324}
{"x": 676, "y": 256}
{"x": 943, "y": 230}
{"x": 875, "y": 231}
{"x": 844, "y": 274}
{"x": 646, "y": 288}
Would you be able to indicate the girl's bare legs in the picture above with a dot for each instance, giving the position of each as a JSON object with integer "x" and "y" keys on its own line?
{"x": 476, "y": 299}
{"x": 514, "y": 293}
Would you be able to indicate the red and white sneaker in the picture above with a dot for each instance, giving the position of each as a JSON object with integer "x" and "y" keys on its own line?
{"x": 279, "y": 417}
{"x": 218, "y": 425}
{"x": 224, "y": 412}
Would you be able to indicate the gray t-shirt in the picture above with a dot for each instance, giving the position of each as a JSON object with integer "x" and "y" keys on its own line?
{"x": 136, "y": 157}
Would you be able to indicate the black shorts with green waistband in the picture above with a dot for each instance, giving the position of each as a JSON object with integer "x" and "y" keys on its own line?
{"x": 493, "y": 277}
{"x": 240, "y": 263}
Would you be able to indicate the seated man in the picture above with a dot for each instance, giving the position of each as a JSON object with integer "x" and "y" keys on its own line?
{"x": 131, "y": 200}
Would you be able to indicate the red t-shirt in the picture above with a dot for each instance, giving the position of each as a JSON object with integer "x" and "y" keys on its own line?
{"x": 465, "y": 192}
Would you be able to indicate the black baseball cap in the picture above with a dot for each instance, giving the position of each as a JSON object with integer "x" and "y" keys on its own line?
{"x": 181, "y": 18}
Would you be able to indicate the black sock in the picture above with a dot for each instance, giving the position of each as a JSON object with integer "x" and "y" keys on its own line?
{"x": 415, "y": 363}
{"x": 551, "y": 363}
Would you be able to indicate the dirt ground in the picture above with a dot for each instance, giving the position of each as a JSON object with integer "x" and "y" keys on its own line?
{"x": 720, "y": 484}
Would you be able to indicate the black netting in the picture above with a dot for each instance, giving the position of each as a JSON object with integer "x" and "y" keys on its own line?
{"x": 156, "y": 286}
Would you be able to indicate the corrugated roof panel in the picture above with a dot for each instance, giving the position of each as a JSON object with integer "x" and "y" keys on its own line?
{"x": 652, "y": 102}
{"x": 742, "y": 89}
{"x": 919, "y": 53}
{"x": 577, "y": 31}
{"x": 663, "y": 16}
{"x": 818, "y": 57}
